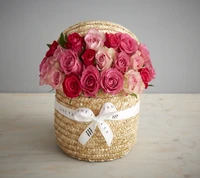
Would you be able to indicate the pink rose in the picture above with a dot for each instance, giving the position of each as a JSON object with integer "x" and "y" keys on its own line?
{"x": 75, "y": 42}
{"x": 88, "y": 57}
{"x": 58, "y": 51}
{"x": 52, "y": 48}
{"x": 55, "y": 78}
{"x": 147, "y": 75}
{"x": 94, "y": 39}
{"x": 112, "y": 40}
{"x": 137, "y": 61}
{"x": 71, "y": 86}
{"x": 69, "y": 62}
{"x": 150, "y": 67}
{"x": 128, "y": 44}
{"x": 133, "y": 82}
{"x": 90, "y": 81}
{"x": 122, "y": 62}
{"x": 104, "y": 58}
{"x": 51, "y": 60}
{"x": 43, "y": 62}
{"x": 111, "y": 81}
{"x": 44, "y": 71}
{"x": 144, "y": 52}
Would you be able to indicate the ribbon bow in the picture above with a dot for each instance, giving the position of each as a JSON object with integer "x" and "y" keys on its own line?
{"x": 108, "y": 111}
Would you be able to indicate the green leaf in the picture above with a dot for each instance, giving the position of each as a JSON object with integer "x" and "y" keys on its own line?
{"x": 133, "y": 94}
{"x": 62, "y": 41}
{"x": 49, "y": 45}
{"x": 70, "y": 101}
{"x": 150, "y": 85}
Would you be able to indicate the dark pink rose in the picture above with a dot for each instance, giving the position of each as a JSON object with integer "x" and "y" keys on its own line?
{"x": 146, "y": 75}
{"x": 111, "y": 81}
{"x": 42, "y": 63}
{"x": 122, "y": 62}
{"x": 71, "y": 86}
{"x": 52, "y": 48}
{"x": 88, "y": 57}
{"x": 112, "y": 40}
{"x": 45, "y": 68}
{"x": 90, "y": 81}
{"x": 75, "y": 42}
{"x": 70, "y": 63}
{"x": 128, "y": 44}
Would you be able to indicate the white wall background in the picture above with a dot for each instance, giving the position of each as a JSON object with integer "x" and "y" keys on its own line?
{"x": 170, "y": 29}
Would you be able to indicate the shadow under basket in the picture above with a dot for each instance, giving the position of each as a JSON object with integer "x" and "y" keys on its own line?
{"x": 68, "y": 131}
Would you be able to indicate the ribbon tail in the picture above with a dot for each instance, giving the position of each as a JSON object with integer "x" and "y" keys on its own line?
{"x": 87, "y": 133}
{"x": 106, "y": 132}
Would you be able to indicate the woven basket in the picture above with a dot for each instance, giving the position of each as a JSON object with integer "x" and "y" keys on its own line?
{"x": 68, "y": 131}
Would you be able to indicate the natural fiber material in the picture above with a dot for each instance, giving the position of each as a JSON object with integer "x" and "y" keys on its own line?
{"x": 68, "y": 131}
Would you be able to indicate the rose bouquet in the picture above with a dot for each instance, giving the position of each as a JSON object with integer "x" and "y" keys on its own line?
{"x": 96, "y": 68}
{"x": 111, "y": 62}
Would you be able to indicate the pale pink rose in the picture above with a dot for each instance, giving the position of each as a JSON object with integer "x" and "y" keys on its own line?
{"x": 55, "y": 78}
{"x": 144, "y": 52}
{"x": 94, "y": 39}
{"x": 111, "y": 81}
{"x": 70, "y": 63}
{"x": 133, "y": 82}
{"x": 122, "y": 62}
{"x": 137, "y": 61}
{"x": 128, "y": 44}
{"x": 51, "y": 60}
{"x": 104, "y": 58}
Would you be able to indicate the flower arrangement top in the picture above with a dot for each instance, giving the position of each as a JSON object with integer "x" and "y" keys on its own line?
{"x": 83, "y": 65}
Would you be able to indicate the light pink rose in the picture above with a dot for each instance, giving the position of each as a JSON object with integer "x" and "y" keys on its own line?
{"x": 94, "y": 39}
{"x": 144, "y": 52}
{"x": 128, "y": 44}
{"x": 111, "y": 81}
{"x": 70, "y": 63}
{"x": 58, "y": 51}
{"x": 122, "y": 62}
{"x": 133, "y": 82}
{"x": 51, "y": 60}
{"x": 90, "y": 81}
{"x": 55, "y": 78}
{"x": 104, "y": 58}
{"x": 137, "y": 61}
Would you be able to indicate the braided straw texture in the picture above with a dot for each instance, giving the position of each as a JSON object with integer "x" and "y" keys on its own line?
{"x": 68, "y": 131}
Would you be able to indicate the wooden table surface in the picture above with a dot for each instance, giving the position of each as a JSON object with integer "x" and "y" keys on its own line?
{"x": 168, "y": 144}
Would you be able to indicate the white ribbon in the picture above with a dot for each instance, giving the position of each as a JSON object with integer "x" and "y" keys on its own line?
{"x": 108, "y": 112}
